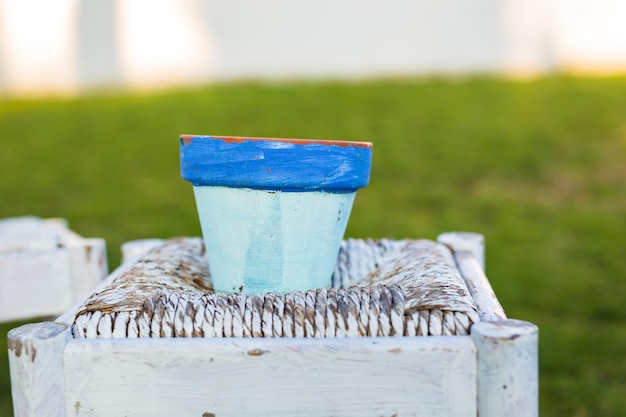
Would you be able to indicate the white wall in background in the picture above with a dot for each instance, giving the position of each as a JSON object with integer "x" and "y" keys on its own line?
{"x": 590, "y": 35}
{"x": 162, "y": 41}
{"x": 37, "y": 45}
{"x": 72, "y": 45}
{"x": 527, "y": 36}
{"x": 339, "y": 38}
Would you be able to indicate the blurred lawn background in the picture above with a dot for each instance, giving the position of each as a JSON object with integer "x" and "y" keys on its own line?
{"x": 538, "y": 167}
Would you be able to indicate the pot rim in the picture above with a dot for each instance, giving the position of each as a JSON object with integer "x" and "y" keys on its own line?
{"x": 186, "y": 139}
{"x": 275, "y": 163}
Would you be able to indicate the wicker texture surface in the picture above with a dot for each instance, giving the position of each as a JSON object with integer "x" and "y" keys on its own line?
{"x": 379, "y": 288}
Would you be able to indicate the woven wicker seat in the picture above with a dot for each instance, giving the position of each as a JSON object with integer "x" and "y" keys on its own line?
{"x": 379, "y": 288}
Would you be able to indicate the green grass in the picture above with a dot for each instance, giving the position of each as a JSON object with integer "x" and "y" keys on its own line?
{"x": 538, "y": 167}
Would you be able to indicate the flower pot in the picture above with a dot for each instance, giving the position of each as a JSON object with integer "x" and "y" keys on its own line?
{"x": 273, "y": 211}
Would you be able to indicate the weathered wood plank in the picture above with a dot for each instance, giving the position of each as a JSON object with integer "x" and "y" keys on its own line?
{"x": 36, "y": 367}
{"x": 469, "y": 253}
{"x": 45, "y": 267}
{"x": 434, "y": 376}
{"x": 88, "y": 265}
{"x": 489, "y": 308}
{"x": 34, "y": 284}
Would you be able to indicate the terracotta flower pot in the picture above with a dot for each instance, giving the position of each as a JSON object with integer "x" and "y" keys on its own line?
{"x": 273, "y": 212}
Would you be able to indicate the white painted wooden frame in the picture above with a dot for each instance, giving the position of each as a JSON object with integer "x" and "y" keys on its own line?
{"x": 492, "y": 372}
{"x": 45, "y": 267}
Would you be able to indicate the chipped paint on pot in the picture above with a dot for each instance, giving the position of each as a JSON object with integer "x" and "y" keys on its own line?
{"x": 273, "y": 211}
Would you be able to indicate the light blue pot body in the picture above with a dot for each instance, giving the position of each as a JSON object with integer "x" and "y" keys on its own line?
{"x": 273, "y": 212}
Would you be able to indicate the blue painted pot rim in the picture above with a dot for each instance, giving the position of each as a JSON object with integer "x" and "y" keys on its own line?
{"x": 275, "y": 163}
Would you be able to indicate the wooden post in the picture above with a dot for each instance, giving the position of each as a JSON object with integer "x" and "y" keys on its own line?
{"x": 36, "y": 367}
{"x": 507, "y": 368}
{"x": 88, "y": 265}
{"x": 507, "y": 349}
{"x": 135, "y": 249}
{"x": 474, "y": 243}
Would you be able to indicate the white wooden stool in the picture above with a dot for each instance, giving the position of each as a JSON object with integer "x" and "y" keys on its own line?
{"x": 45, "y": 268}
{"x": 385, "y": 348}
